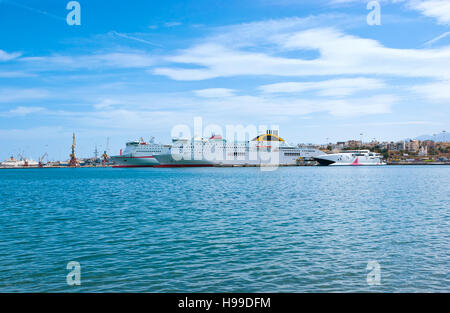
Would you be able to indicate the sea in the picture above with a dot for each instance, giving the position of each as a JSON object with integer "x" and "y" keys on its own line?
{"x": 290, "y": 229}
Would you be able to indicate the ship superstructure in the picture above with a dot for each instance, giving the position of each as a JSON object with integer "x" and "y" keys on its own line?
{"x": 139, "y": 153}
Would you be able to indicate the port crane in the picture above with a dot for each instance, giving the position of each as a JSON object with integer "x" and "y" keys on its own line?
{"x": 22, "y": 158}
{"x": 73, "y": 159}
{"x": 96, "y": 153}
{"x": 105, "y": 155}
{"x": 41, "y": 159}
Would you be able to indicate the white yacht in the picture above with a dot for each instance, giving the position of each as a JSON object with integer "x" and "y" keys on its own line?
{"x": 351, "y": 157}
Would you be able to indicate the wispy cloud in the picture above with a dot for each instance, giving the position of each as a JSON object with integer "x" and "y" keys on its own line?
{"x": 20, "y": 94}
{"x": 22, "y": 111}
{"x": 382, "y": 124}
{"x": 26, "y": 7}
{"x": 436, "y": 91}
{"x": 172, "y": 24}
{"x": 214, "y": 92}
{"x": 15, "y": 74}
{"x": 438, "y": 9}
{"x": 95, "y": 60}
{"x": 339, "y": 54}
{"x": 334, "y": 87}
{"x": 126, "y": 36}
{"x": 5, "y": 56}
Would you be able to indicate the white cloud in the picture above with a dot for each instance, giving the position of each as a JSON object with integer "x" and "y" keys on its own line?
{"x": 345, "y": 1}
{"x": 15, "y": 74}
{"x": 340, "y": 54}
{"x": 276, "y": 106}
{"x": 334, "y": 87}
{"x": 264, "y": 33}
{"x": 133, "y": 111}
{"x": 21, "y": 111}
{"x": 224, "y": 103}
{"x": 214, "y": 92}
{"x": 438, "y": 9}
{"x": 113, "y": 60}
{"x": 5, "y": 56}
{"x": 16, "y": 94}
{"x": 437, "y": 91}
{"x": 356, "y": 107}
{"x": 105, "y": 104}
{"x": 172, "y": 24}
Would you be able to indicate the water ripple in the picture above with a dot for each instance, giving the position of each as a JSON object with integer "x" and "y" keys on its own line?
{"x": 297, "y": 229}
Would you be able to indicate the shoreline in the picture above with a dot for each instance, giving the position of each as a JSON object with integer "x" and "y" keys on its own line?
{"x": 235, "y": 165}
{"x": 418, "y": 163}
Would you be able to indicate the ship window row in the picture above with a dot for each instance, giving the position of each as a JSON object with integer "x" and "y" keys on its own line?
{"x": 216, "y": 147}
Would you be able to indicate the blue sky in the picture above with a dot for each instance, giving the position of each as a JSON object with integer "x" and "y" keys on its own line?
{"x": 138, "y": 68}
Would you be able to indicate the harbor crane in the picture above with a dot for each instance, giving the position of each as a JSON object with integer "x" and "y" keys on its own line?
{"x": 41, "y": 159}
{"x": 22, "y": 158}
{"x": 105, "y": 155}
{"x": 73, "y": 159}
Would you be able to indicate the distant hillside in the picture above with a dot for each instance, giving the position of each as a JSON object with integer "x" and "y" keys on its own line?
{"x": 441, "y": 137}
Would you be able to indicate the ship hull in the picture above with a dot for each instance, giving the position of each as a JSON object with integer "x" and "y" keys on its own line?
{"x": 184, "y": 165}
{"x": 133, "y": 161}
{"x": 228, "y": 158}
{"x": 167, "y": 160}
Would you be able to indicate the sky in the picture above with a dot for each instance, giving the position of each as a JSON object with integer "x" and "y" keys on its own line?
{"x": 133, "y": 69}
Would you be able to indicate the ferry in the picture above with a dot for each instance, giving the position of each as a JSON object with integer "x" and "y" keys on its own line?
{"x": 139, "y": 153}
{"x": 23, "y": 162}
{"x": 350, "y": 157}
{"x": 266, "y": 149}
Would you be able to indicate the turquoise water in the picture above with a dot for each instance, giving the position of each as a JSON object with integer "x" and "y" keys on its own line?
{"x": 296, "y": 229}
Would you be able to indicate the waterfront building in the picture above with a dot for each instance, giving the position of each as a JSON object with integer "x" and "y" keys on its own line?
{"x": 429, "y": 144}
{"x": 412, "y": 146}
{"x": 397, "y": 146}
{"x": 423, "y": 151}
{"x": 354, "y": 144}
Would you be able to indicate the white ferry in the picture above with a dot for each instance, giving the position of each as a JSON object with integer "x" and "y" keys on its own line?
{"x": 267, "y": 149}
{"x": 351, "y": 157}
{"x": 11, "y": 162}
{"x": 139, "y": 154}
